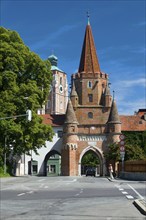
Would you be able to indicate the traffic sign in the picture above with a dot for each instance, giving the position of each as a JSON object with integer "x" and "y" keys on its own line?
{"x": 122, "y": 148}
{"x": 122, "y": 142}
{"x": 122, "y": 136}
{"x": 122, "y": 153}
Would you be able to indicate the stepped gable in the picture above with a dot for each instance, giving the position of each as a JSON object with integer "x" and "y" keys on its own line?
{"x": 89, "y": 61}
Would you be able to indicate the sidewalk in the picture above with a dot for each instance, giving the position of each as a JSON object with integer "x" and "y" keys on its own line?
{"x": 140, "y": 204}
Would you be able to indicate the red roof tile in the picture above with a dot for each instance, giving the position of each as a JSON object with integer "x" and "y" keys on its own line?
{"x": 53, "y": 120}
{"x": 132, "y": 123}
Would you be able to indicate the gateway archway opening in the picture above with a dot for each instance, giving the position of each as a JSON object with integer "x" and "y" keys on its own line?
{"x": 90, "y": 160}
{"x": 52, "y": 164}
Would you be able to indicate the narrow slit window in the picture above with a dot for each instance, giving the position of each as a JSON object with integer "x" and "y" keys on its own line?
{"x": 90, "y": 97}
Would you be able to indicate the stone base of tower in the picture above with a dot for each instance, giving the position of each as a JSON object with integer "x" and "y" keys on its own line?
{"x": 69, "y": 164}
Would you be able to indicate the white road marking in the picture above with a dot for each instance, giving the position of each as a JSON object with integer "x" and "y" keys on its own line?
{"x": 41, "y": 180}
{"x": 30, "y": 192}
{"x": 21, "y": 194}
{"x": 121, "y": 189}
{"x": 129, "y": 197}
{"x": 46, "y": 187}
{"x": 124, "y": 193}
{"x": 77, "y": 194}
{"x": 140, "y": 196}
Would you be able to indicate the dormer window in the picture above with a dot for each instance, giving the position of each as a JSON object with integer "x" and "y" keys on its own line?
{"x": 89, "y": 85}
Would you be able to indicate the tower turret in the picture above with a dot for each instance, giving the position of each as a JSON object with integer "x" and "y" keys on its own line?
{"x": 107, "y": 96}
{"x": 114, "y": 124}
{"x": 74, "y": 95}
{"x": 70, "y": 138}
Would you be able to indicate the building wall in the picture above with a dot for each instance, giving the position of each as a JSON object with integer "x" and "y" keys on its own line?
{"x": 22, "y": 168}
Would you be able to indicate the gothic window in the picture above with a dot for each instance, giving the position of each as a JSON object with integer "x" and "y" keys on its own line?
{"x": 90, "y": 96}
{"x": 89, "y": 84}
{"x": 90, "y": 115}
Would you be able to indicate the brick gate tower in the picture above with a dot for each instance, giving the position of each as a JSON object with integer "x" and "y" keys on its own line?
{"x": 92, "y": 120}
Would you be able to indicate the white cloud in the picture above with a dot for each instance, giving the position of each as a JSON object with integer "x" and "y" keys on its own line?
{"x": 53, "y": 36}
{"x": 131, "y": 83}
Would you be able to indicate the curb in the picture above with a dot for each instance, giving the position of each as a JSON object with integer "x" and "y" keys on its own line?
{"x": 140, "y": 204}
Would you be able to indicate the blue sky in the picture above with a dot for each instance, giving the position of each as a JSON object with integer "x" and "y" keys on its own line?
{"x": 118, "y": 28}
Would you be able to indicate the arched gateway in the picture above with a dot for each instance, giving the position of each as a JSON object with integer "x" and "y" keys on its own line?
{"x": 97, "y": 152}
{"x": 92, "y": 120}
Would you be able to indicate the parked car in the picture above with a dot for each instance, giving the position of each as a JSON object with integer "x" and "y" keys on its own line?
{"x": 90, "y": 172}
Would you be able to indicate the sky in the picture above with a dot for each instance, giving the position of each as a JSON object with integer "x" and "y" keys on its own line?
{"x": 118, "y": 29}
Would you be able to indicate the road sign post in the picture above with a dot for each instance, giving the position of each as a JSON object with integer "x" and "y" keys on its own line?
{"x": 122, "y": 149}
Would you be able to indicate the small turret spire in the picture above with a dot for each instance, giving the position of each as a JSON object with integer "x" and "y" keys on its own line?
{"x": 70, "y": 114}
{"x": 114, "y": 116}
{"x": 73, "y": 90}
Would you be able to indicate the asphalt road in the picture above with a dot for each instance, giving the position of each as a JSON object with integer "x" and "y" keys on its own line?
{"x": 70, "y": 198}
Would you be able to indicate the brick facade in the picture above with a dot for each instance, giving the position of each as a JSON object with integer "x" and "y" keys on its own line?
{"x": 92, "y": 120}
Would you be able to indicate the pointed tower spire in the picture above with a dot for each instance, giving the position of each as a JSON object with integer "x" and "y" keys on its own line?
{"x": 73, "y": 90}
{"x": 114, "y": 116}
{"x": 89, "y": 61}
{"x": 70, "y": 114}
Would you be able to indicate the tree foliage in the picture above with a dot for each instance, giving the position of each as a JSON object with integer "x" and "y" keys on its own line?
{"x": 135, "y": 147}
{"x": 90, "y": 159}
{"x": 24, "y": 84}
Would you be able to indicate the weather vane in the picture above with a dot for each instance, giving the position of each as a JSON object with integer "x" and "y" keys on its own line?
{"x": 88, "y": 16}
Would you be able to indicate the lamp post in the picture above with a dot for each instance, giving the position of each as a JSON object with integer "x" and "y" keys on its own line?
{"x": 5, "y": 155}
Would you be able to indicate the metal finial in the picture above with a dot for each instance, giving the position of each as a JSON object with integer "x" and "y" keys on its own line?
{"x": 113, "y": 95}
{"x": 52, "y": 51}
{"x": 88, "y": 16}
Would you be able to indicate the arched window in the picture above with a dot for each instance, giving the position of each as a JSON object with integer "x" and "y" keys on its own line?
{"x": 89, "y": 84}
{"x": 90, "y": 115}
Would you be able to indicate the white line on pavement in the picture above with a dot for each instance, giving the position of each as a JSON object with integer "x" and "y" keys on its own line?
{"x": 41, "y": 180}
{"x": 124, "y": 193}
{"x": 21, "y": 194}
{"x": 140, "y": 196}
{"x": 121, "y": 189}
{"x": 30, "y": 192}
{"x": 129, "y": 197}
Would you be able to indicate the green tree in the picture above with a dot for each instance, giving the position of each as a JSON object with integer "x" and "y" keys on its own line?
{"x": 135, "y": 147}
{"x": 24, "y": 84}
{"x": 90, "y": 159}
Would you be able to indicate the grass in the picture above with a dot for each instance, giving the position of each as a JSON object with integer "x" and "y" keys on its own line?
{"x": 2, "y": 174}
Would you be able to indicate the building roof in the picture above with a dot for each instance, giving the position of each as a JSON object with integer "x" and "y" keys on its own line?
{"x": 132, "y": 123}
{"x": 73, "y": 90}
{"x": 70, "y": 114}
{"x": 53, "y": 120}
{"x": 54, "y": 60}
{"x": 128, "y": 122}
{"x": 114, "y": 117}
{"x": 89, "y": 61}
